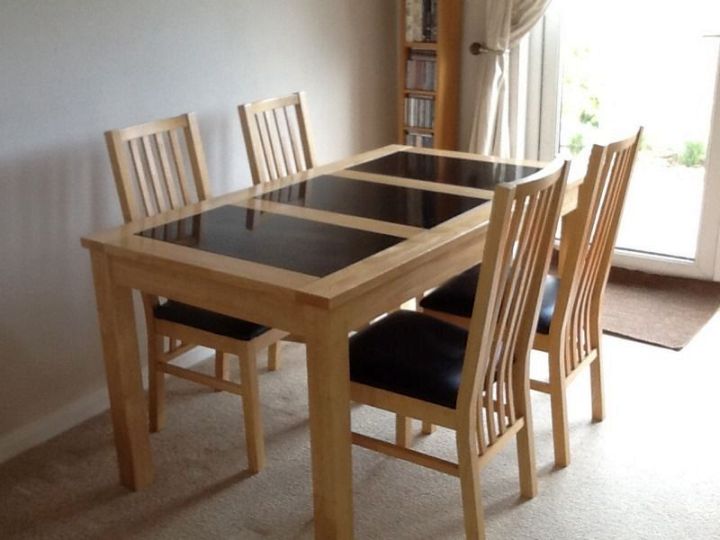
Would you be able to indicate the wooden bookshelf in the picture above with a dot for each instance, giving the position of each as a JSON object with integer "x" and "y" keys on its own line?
{"x": 429, "y": 73}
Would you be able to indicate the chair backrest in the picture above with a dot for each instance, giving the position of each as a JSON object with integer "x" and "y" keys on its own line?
{"x": 158, "y": 166}
{"x": 507, "y": 302}
{"x": 278, "y": 138}
{"x": 590, "y": 233}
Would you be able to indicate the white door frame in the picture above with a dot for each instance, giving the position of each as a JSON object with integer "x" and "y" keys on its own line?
{"x": 542, "y": 137}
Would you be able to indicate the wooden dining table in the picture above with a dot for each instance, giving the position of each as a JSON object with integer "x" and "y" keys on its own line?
{"x": 318, "y": 254}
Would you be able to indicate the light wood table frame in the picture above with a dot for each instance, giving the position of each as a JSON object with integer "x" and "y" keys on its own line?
{"x": 323, "y": 310}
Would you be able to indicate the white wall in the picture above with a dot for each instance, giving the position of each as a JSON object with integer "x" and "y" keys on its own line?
{"x": 71, "y": 69}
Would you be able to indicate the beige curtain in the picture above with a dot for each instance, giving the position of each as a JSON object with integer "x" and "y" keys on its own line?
{"x": 504, "y": 23}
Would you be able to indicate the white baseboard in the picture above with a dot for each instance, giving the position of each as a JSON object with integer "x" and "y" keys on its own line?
{"x": 45, "y": 428}
{"x": 72, "y": 414}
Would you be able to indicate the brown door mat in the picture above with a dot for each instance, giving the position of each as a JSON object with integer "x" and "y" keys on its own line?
{"x": 660, "y": 310}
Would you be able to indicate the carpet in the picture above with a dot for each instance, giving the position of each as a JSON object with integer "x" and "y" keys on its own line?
{"x": 628, "y": 479}
{"x": 659, "y": 310}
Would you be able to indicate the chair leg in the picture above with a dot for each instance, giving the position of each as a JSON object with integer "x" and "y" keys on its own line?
{"x": 526, "y": 460}
{"x": 274, "y": 356}
{"x": 558, "y": 406}
{"x": 222, "y": 370}
{"x": 402, "y": 430}
{"x": 428, "y": 428}
{"x": 156, "y": 382}
{"x": 561, "y": 438}
{"x": 596, "y": 389}
{"x": 251, "y": 408}
{"x": 524, "y": 439}
{"x": 470, "y": 485}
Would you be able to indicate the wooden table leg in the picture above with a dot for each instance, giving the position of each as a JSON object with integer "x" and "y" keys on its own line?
{"x": 329, "y": 403}
{"x": 122, "y": 369}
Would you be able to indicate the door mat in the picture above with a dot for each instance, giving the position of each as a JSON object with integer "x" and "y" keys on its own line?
{"x": 660, "y": 310}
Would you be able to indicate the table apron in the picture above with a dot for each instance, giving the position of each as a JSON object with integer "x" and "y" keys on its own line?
{"x": 276, "y": 308}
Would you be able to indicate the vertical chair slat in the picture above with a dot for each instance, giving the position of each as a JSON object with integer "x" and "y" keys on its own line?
{"x": 481, "y": 430}
{"x": 578, "y": 317}
{"x": 168, "y": 178}
{"x": 293, "y": 123}
{"x": 180, "y": 167}
{"x": 275, "y": 150}
{"x": 122, "y": 173}
{"x": 196, "y": 154}
{"x": 306, "y": 135}
{"x": 285, "y": 140}
{"x": 266, "y": 144}
{"x": 153, "y": 172}
{"x": 141, "y": 178}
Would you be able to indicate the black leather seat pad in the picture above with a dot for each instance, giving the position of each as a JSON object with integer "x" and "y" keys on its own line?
{"x": 411, "y": 354}
{"x": 209, "y": 321}
{"x": 458, "y": 295}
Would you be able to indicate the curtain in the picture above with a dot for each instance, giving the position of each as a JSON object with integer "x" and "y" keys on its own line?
{"x": 504, "y": 23}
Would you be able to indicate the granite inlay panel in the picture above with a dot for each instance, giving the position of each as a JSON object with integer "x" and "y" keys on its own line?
{"x": 447, "y": 170}
{"x": 394, "y": 204}
{"x": 300, "y": 245}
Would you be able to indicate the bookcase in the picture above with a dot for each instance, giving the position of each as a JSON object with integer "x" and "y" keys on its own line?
{"x": 429, "y": 72}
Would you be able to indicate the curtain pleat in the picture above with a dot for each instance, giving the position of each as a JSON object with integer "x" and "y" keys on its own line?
{"x": 504, "y": 24}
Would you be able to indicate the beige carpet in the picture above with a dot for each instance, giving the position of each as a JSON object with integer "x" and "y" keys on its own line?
{"x": 661, "y": 310}
{"x": 651, "y": 470}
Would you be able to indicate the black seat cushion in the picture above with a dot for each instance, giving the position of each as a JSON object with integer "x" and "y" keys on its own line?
{"x": 411, "y": 354}
{"x": 458, "y": 295}
{"x": 209, "y": 321}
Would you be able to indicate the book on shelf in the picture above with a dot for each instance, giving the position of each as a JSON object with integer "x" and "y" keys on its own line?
{"x": 424, "y": 140}
{"x": 421, "y": 69}
{"x": 420, "y": 20}
{"x": 419, "y": 111}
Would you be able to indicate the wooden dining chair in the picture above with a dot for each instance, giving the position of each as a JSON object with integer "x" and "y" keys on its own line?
{"x": 159, "y": 166}
{"x": 472, "y": 381}
{"x": 277, "y": 136}
{"x": 569, "y": 328}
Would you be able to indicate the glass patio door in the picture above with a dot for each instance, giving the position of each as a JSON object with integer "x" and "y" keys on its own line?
{"x": 629, "y": 63}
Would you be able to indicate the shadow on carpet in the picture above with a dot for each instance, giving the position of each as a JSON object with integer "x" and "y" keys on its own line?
{"x": 659, "y": 310}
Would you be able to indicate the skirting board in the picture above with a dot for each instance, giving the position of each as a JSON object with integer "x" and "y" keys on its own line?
{"x": 72, "y": 414}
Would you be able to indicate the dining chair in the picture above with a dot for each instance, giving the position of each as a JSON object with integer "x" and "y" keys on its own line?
{"x": 474, "y": 381}
{"x": 160, "y": 166}
{"x": 569, "y": 328}
{"x": 277, "y": 136}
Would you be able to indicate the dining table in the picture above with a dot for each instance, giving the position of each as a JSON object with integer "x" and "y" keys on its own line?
{"x": 319, "y": 254}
